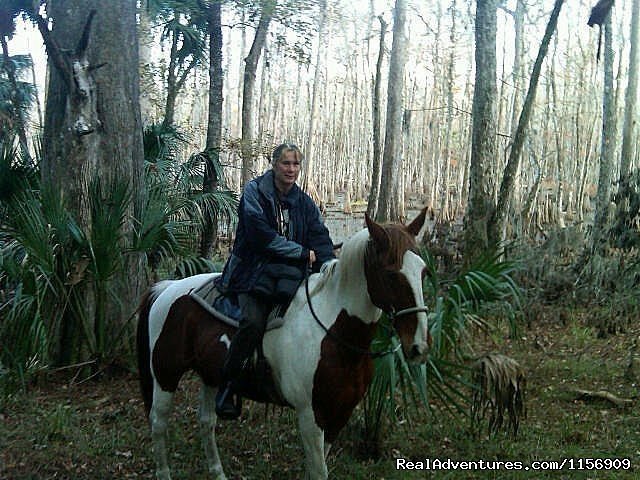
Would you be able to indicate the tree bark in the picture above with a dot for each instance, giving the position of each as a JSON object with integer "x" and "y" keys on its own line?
{"x": 483, "y": 141}
{"x": 518, "y": 21}
{"x": 497, "y": 224}
{"x": 372, "y": 203}
{"x": 248, "y": 88}
{"x": 214, "y": 125}
{"x": 92, "y": 122}
{"x": 18, "y": 120}
{"x": 147, "y": 84}
{"x": 177, "y": 75}
{"x": 388, "y": 203}
{"x": 607, "y": 146}
{"x": 308, "y": 183}
{"x": 628, "y": 137}
{"x": 172, "y": 93}
{"x": 444, "y": 210}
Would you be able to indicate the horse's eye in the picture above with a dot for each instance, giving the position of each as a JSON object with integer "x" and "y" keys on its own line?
{"x": 388, "y": 275}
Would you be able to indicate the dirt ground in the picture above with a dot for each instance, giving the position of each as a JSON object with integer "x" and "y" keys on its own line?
{"x": 67, "y": 428}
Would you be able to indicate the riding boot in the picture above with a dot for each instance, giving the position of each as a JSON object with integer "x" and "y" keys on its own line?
{"x": 228, "y": 405}
{"x": 228, "y": 402}
{"x": 244, "y": 342}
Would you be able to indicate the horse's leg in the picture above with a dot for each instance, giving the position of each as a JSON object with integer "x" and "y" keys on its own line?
{"x": 207, "y": 417}
{"x": 313, "y": 442}
{"x": 160, "y": 411}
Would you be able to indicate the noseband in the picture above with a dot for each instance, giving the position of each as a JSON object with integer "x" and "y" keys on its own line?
{"x": 392, "y": 314}
{"x": 405, "y": 311}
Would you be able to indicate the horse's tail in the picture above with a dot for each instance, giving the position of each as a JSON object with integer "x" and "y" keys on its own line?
{"x": 144, "y": 347}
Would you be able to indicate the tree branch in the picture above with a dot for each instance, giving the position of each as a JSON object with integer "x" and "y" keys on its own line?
{"x": 83, "y": 43}
{"x": 54, "y": 51}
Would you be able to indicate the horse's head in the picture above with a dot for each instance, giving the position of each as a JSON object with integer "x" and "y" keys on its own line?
{"x": 394, "y": 273}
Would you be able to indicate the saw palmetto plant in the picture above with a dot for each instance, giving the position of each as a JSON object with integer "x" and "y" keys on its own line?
{"x": 399, "y": 387}
{"x": 56, "y": 275}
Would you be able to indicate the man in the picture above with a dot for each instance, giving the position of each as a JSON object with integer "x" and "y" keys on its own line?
{"x": 278, "y": 225}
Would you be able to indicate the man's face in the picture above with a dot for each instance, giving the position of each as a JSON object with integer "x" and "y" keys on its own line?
{"x": 286, "y": 171}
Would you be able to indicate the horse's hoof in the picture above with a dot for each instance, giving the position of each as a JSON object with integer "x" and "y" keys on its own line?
{"x": 163, "y": 474}
{"x": 217, "y": 473}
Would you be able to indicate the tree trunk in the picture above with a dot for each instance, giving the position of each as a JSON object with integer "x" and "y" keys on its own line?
{"x": 607, "y": 146}
{"x": 444, "y": 210}
{"x": 483, "y": 141}
{"x": 172, "y": 91}
{"x": 372, "y": 203}
{"x": 251, "y": 65}
{"x": 19, "y": 127}
{"x": 388, "y": 207}
{"x": 497, "y": 224}
{"x": 308, "y": 183}
{"x": 518, "y": 20}
{"x": 147, "y": 83}
{"x": 214, "y": 125}
{"x": 93, "y": 126}
{"x": 628, "y": 137}
{"x": 177, "y": 73}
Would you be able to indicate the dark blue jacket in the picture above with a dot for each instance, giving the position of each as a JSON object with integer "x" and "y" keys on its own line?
{"x": 258, "y": 242}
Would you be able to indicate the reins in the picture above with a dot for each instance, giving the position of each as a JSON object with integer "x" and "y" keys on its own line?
{"x": 355, "y": 348}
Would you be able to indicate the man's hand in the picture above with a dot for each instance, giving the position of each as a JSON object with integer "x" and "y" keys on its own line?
{"x": 312, "y": 257}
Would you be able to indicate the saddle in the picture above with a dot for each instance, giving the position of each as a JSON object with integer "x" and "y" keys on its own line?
{"x": 256, "y": 378}
{"x": 225, "y": 309}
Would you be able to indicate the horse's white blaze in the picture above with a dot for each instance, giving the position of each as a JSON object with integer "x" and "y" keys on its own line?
{"x": 412, "y": 266}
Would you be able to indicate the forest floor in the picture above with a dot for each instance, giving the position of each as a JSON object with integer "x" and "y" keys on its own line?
{"x": 64, "y": 429}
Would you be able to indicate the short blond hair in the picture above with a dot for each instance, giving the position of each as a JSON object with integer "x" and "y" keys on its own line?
{"x": 284, "y": 148}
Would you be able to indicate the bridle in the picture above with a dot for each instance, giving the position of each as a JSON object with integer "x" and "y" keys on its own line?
{"x": 391, "y": 314}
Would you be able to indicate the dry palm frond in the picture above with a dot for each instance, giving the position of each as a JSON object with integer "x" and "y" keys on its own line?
{"x": 500, "y": 388}
{"x": 603, "y": 395}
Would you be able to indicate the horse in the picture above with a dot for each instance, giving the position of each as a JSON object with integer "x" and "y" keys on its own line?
{"x": 319, "y": 358}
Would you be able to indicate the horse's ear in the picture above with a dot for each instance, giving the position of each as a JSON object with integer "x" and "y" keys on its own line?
{"x": 415, "y": 226}
{"x": 378, "y": 234}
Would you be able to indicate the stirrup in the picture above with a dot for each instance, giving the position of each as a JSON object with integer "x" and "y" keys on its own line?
{"x": 228, "y": 407}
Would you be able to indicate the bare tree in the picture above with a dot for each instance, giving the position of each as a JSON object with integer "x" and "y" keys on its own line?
{"x": 631, "y": 95}
{"x": 483, "y": 141}
{"x": 9, "y": 67}
{"x": 214, "y": 124}
{"x": 308, "y": 183}
{"x": 497, "y": 224}
{"x": 607, "y": 145}
{"x": 372, "y": 203}
{"x": 248, "y": 88}
{"x": 388, "y": 204}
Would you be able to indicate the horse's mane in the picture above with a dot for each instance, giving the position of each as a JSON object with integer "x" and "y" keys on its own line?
{"x": 351, "y": 256}
{"x": 353, "y": 253}
{"x": 158, "y": 288}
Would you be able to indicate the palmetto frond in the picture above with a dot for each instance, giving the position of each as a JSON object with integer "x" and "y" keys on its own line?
{"x": 162, "y": 144}
{"x": 455, "y": 309}
{"x": 15, "y": 174}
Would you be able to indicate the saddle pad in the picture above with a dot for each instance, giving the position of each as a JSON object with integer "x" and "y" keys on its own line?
{"x": 207, "y": 295}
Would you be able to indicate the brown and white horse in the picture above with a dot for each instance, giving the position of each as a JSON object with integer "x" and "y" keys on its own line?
{"x": 323, "y": 374}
